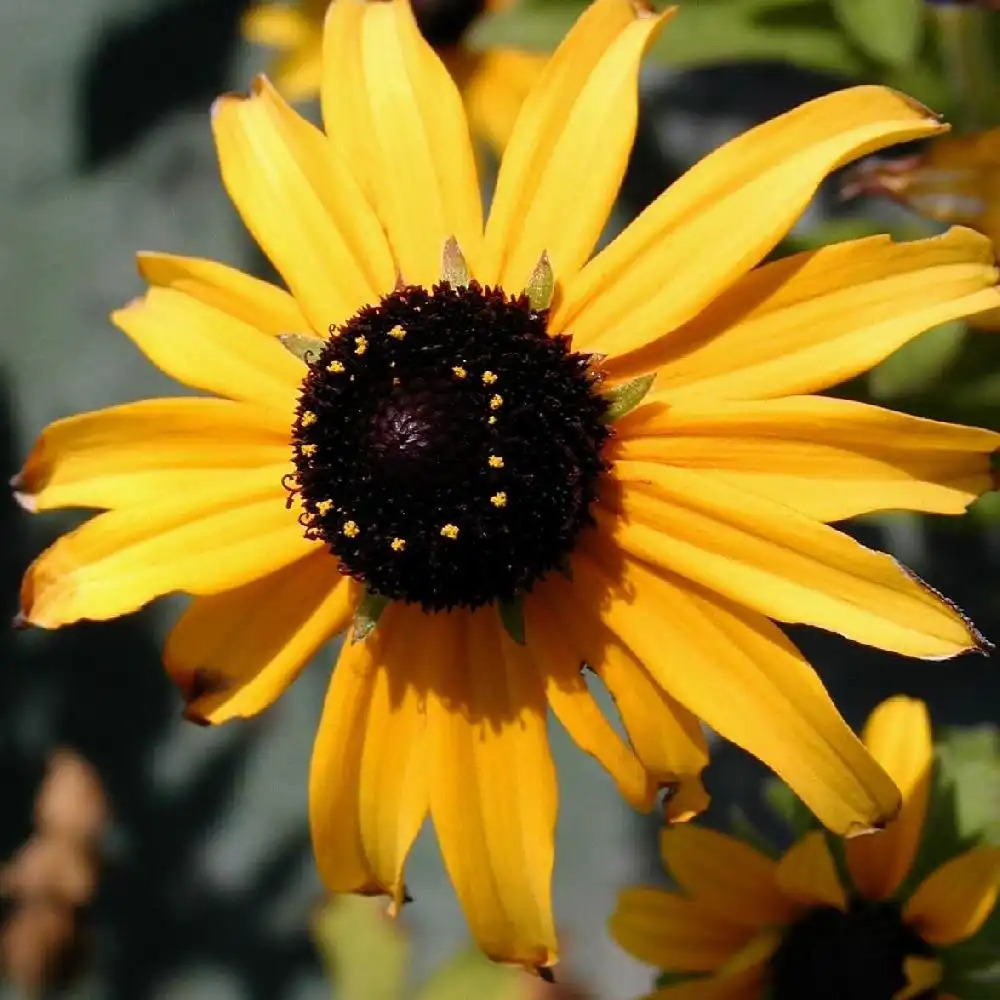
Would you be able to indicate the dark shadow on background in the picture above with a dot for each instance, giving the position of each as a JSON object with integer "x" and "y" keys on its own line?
{"x": 177, "y": 55}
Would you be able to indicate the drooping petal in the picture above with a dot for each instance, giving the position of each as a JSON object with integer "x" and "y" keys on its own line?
{"x": 898, "y": 735}
{"x": 724, "y": 875}
{"x": 138, "y": 453}
{"x": 778, "y": 562}
{"x": 952, "y": 903}
{"x": 235, "y": 653}
{"x": 828, "y": 458}
{"x": 922, "y": 975}
{"x": 392, "y": 108}
{"x": 815, "y": 319}
{"x": 724, "y": 215}
{"x": 302, "y": 204}
{"x": 739, "y": 673}
{"x": 257, "y": 303}
{"x": 209, "y": 349}
{"x": 206, "y": 540}
{"x": 674, "y": 933}
{"x": 564, "y": 163}
{"x": 807, "y": 873}
{"x": 493, "y": 791}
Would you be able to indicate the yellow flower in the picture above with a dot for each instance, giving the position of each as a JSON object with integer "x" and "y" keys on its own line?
{"x": 789, "y": 929}
{"x": 656, "y": 555}
{"x": 493, "y": 82}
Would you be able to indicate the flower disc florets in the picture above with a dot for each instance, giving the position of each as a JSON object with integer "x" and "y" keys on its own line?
{"x": 447, "y": 448}
{"x": 444, "y": 22}
{"x": 857, "y": 954}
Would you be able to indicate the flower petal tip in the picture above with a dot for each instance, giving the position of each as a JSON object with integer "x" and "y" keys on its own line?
{"x": 20, "y": 622}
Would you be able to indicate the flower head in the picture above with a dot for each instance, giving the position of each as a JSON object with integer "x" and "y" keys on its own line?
{"x": 339, "y": 467}
{"x": 744, "y": 925}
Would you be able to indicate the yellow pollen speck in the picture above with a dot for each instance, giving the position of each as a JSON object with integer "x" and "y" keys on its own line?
{"x": 492, "y": 420}
{"x": 360, "y": 345}
{"x": 459, "y": 372}
{"x": 336, "y": 367}
{"x": 397, "y": 544}
{"x": 351, "y": 529}
{"x": 308, "y": 450}
{"x": 324, "y": 507}
{"x": 333, "y": 331}
{"x": 496, "y": 462}
{"x": 499, "y": 499}
{"x": 397, "y": 332}
{"x": 496, "y": 401}
{"x": 450, "y": 531}
{"x": 308, "y": 418}
{"x": 489, "y": 378}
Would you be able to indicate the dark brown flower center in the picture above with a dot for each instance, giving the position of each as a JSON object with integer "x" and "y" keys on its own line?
{"x": 444, "y": 22}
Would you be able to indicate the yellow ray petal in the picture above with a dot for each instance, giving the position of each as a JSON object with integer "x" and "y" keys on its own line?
{"x": 138, "y": 453}
{"x": 416, "y": 152}
{"x": 252, "y": 301}
{"x": 209, "y": 349}
{"x": 564, "y": 163}
{"x": 302, "y": 205}
{"x": 898, "y": 735}
{"x": 778, "y": 562}
{"x": 724, "y": 875}
{"x": 739, "y": 673}
{"x": 234, "y": 654}
{"x": 209, "y": 539}
{"x": 724, "y": 215}
{"x": 559, "y": 665}
{"x": 674, "y": 933}
{"x": 748, "y": 985}
{"x": 493, "y": 791}
{"x": 297, "y": 73}
{"x": 828, "y": 458}
{"x": 815, "y": 319}
{"x": 922, "y": 975}
{"x": 807, "y": 873}
{"x": 952, "y": 903}
{"x": 277, "y": 24}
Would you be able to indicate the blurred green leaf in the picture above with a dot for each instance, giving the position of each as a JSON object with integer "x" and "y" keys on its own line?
{"x": 789, "y": 807}
{"x": 969, "y": 760}
{"x": 741, "y": 826}
{"x": 918, "y": 365}
{"x": 888, "y": 30}
{"x": 470, "y": 975}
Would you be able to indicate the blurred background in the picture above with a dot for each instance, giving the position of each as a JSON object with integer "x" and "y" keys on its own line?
{"x": 194, "y": 877}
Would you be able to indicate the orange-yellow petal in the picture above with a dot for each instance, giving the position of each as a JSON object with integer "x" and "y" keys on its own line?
{"x": 808, "y": 876}
{"x": 898, "y": 735}
{"x": 747, "y": 985}
{"x": 922, "y": 975}
{"x": 739, "y": 202}
{"x": 235, "y": 653}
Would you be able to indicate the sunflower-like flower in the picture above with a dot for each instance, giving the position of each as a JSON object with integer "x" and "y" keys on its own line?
{"x": 493, "y": 82}
{"x": 792, "y": 928}
{"x": 408, "y": 439}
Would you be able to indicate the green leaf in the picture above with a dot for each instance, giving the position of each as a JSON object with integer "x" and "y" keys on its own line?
{"x": 454, "y": 269}
{"x": 366, "y": 616}
{"x": 362, "y": 948}
{"x": 918, "y": 365}
{"x": 304, "y": 347}
{"x": 541, "y": 285}
{"x": 626, "y": 397}
{"x": 789, "y": 807}
{"x": 471, "y": 976}
{"x": 511, "y": 611}
{"x": 890, "y": 31}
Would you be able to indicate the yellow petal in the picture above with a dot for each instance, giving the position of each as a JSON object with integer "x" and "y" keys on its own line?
{"x": 808, "y": 876}
{"x": 415, "y": 151}
{"x": 724, "y": 875}
{"x": 749, "y": 985}
{"x": 564, "y": 163}
{"x": 252, "y": 301}
{"x": 559, "y": 665}
{"x": 778, "y": 562}
{"x": 922, "y": 975}
{"x": 493, "y": 791}
{"x": 724, "y": 215}
{"x": 898, "y": 735}
{"x": 828, "y": 458}
{"x": 739, "y": 673}
{"x": 953, "y": 902}
{"x": 138, "y": 453}
{"x": 234, "y": 654}
{"x": 674, "y": 933}
{"x": 815, "y": 319}
{"x": 209, "y": 349}
{"x": 278, "y": 24}
{"x": 209, "y": 539}
{"x": 302, "y": 205}
{"x": 297, "y": 73}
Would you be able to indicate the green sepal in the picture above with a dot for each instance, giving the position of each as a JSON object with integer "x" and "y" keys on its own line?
{"x": 541, "y": 285}
{"x": 626, "y": 397}
{"x": 367, "y": 614}
{"x": 511, "y": 612}
{"x": 454, "y": 269}
{"x": 302, "y": 345}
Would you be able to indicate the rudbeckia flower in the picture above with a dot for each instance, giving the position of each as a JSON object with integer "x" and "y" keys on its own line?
{"x": 746, "y": 926}
{"x": 493, "y": 82}
{"x": 408, "y": 439}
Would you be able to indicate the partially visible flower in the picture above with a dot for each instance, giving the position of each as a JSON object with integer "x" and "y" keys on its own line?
{"x": 794, "y": 929}
{"x": 493, "y": 83}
